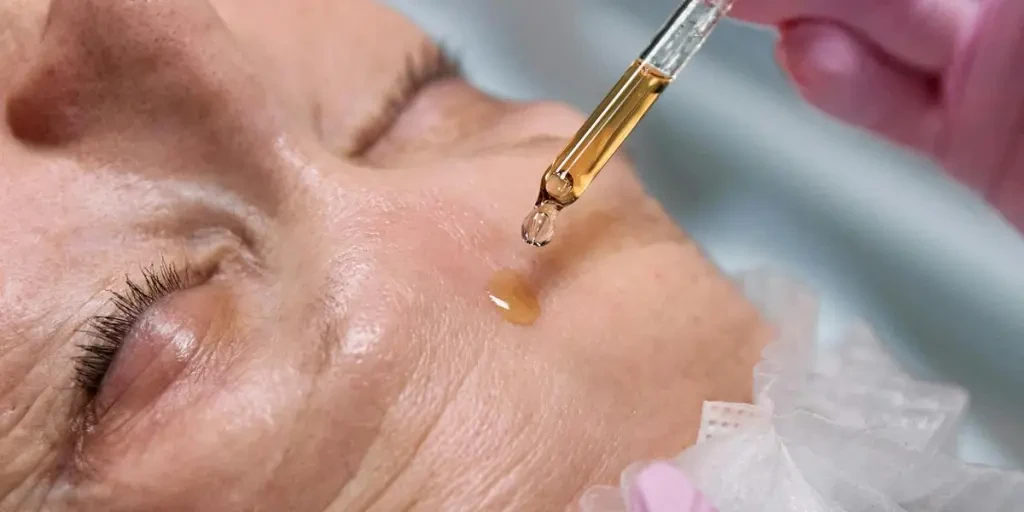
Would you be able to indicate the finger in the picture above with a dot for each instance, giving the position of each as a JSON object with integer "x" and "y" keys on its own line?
{"x": 985, "y": 98}
{"x": 922, "y": 33}
{"x": 663, "y": 488}
{"x": 847, "y": 77}
{"x": 1007, "y": 194}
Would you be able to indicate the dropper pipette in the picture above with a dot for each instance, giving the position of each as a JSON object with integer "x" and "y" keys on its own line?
{"x": 608, "y": 126}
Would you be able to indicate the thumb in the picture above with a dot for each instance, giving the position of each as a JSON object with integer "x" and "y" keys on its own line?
{"x": 846, "y": 76}
{"x": 923, "y": 34}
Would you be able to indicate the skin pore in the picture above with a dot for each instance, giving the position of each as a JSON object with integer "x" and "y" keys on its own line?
{"x": 332, "y": 224}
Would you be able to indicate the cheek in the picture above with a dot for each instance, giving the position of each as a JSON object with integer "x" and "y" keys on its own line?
{"x": 186, "y": 453}
{"x": 440, "y": 254}
{"x": 54, "y": 244}
{"x": 313, "y": 387}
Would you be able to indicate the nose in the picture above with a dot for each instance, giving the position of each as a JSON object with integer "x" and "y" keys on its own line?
{"x": 157, "y": 87}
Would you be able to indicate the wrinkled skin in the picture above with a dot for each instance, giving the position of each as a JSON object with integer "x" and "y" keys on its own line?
{"x": 334, "y": 348}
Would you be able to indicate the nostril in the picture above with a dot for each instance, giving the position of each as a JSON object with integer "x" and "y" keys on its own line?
{"x": 43, "y": 109}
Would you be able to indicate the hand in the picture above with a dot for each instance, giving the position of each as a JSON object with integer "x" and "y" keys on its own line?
{"x": 941, "y": 76}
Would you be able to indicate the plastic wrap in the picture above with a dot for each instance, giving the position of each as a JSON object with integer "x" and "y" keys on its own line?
{"x": 839, "y": 431}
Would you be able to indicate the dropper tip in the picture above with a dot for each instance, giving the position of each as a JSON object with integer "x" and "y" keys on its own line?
{"x": 539, "y": 225}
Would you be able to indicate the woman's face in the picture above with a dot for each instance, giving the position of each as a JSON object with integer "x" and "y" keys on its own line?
{"x": 309, "y": 209}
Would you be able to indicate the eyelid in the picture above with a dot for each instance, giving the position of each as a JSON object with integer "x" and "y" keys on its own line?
{"x": 108, "y": 332}
{"x": 159, "y": 348}
{"x": 429, "y": 64}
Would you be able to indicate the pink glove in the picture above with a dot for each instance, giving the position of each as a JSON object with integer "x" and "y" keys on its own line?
{"x": 945, "y": 77}
{"x": 661, "y": 487}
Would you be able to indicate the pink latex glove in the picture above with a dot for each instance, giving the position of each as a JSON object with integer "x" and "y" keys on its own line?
{"x": 661, "y": 487}
{"x": 945, "y": 77}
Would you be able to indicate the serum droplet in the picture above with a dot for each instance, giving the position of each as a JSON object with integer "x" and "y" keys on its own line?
{"x": 513, "y": 297}
{"x": 539, "y": 226}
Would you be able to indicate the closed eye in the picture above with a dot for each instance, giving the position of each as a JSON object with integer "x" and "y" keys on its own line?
{"x": 108, "y": 332}
{"x": 424, "y": 66}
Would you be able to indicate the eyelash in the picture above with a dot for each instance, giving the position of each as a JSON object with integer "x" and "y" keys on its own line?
{"x": 108, "y": 332}
{"x": 430, "y": 64}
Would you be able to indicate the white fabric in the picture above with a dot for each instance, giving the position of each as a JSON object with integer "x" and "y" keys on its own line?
{"x": 841, "y": 431}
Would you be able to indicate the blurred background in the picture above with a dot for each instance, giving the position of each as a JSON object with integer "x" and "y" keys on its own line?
{"x": 760, "y": 178}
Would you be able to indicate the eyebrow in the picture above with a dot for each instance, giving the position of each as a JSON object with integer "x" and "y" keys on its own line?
{"x": 429, "y": 63}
